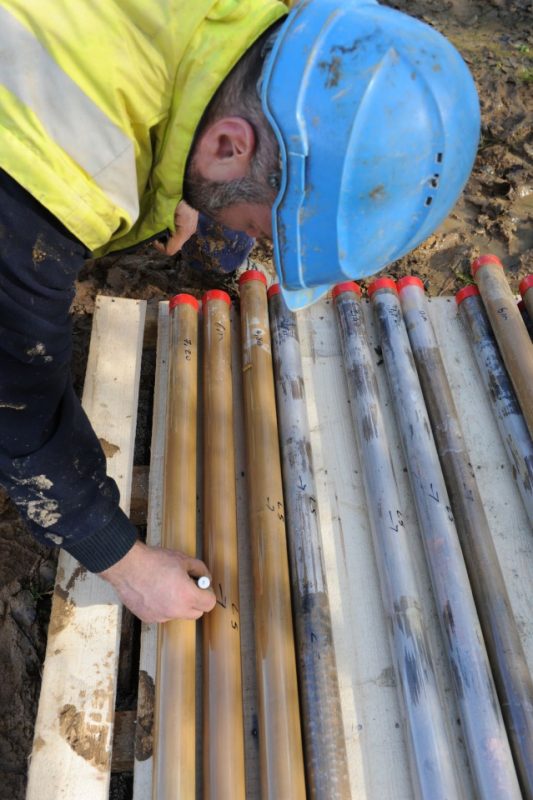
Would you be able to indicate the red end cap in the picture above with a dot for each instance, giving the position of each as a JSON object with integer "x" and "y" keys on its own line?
{"x": 216, "y": 294}
{"x": 482, "y": 260}
{"x": 382, "y": 283}
{"x": 525, "y": 284}
{"x": 347, "y": 286}
{"x": 183, "y": 299}
{"x": 466, "y": 291}
{"x": 410, "y": 280}
{"x": 252, "y": 275}
{"x": 274, "y": 289}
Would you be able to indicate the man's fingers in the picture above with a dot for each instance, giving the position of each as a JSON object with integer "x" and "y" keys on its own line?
{"x": 204, "y": 599}
{"x": 173, "y": 244}
{"x": 185, "y": 218}
{"x": 195, "y": 567}
{"x": 198, "y": 600}
{"x": 174, "y": 595}
{"x": 176, "y": 242}
{"x": 185, "y": 222}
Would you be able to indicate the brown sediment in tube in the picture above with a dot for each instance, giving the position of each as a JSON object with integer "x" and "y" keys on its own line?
{"x": 223, "y": 738}
{"x": 526, "y": 290}
{"x": 175, "y": 707}
{"x": 281, "y": 755}
{"x": 510, "y": 420}
{"x": 509, "y": 329}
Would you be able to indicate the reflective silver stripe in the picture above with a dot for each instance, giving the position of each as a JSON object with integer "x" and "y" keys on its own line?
{"x": 70, "y": 118}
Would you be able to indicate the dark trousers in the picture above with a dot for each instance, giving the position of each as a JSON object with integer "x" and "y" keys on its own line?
{"x": 51, "y": 462}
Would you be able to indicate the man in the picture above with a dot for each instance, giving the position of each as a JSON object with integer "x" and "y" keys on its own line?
{"x": 345, "y": 132}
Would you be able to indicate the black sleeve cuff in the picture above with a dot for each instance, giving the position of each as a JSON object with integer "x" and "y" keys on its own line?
{"x": 104, "y": 548}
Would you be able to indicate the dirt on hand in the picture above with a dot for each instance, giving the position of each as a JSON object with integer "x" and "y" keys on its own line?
{"x": 494, "y": 215}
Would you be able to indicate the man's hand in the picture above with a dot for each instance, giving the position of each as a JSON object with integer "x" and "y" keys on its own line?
{"x": 185, "y": 222}
{"x": 156, "y": 584}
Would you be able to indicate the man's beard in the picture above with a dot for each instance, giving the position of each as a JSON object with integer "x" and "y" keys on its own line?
{"x": 212, "y": 197}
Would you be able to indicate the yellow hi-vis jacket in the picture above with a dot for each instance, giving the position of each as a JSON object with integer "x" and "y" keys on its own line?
{"x": 100, "y": 99}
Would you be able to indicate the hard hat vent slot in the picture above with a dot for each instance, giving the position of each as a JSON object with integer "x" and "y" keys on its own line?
{"x": 434, "y": 183}
{"x": 439, "y": 158}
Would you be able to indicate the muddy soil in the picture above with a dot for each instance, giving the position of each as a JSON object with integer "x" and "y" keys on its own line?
{"x": 495, "y": 214}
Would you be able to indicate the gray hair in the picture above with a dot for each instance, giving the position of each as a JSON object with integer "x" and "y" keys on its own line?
{"x": 238, "y": 96}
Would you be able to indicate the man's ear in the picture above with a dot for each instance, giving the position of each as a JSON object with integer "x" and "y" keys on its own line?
{"x": 225, "y": 149}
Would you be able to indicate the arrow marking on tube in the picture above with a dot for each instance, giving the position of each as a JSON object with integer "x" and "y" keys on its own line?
{"x": 223, "y": 600}
{"x": 434, "y": 496}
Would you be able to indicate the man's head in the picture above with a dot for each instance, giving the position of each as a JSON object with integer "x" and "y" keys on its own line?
{"x": 233, "y": 174}
{"x": 361, "y": 141}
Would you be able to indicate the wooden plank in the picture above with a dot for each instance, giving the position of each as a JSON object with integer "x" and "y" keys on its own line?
{"x": 144, "y": 762}
{"x": 72, "y": 747}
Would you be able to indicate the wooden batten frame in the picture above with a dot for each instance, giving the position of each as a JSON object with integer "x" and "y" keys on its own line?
{"x": 144, "y": 762}
{"x": 73, "y": 733}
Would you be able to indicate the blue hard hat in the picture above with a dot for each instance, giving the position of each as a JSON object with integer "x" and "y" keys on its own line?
{"x": 377, "y": 119}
